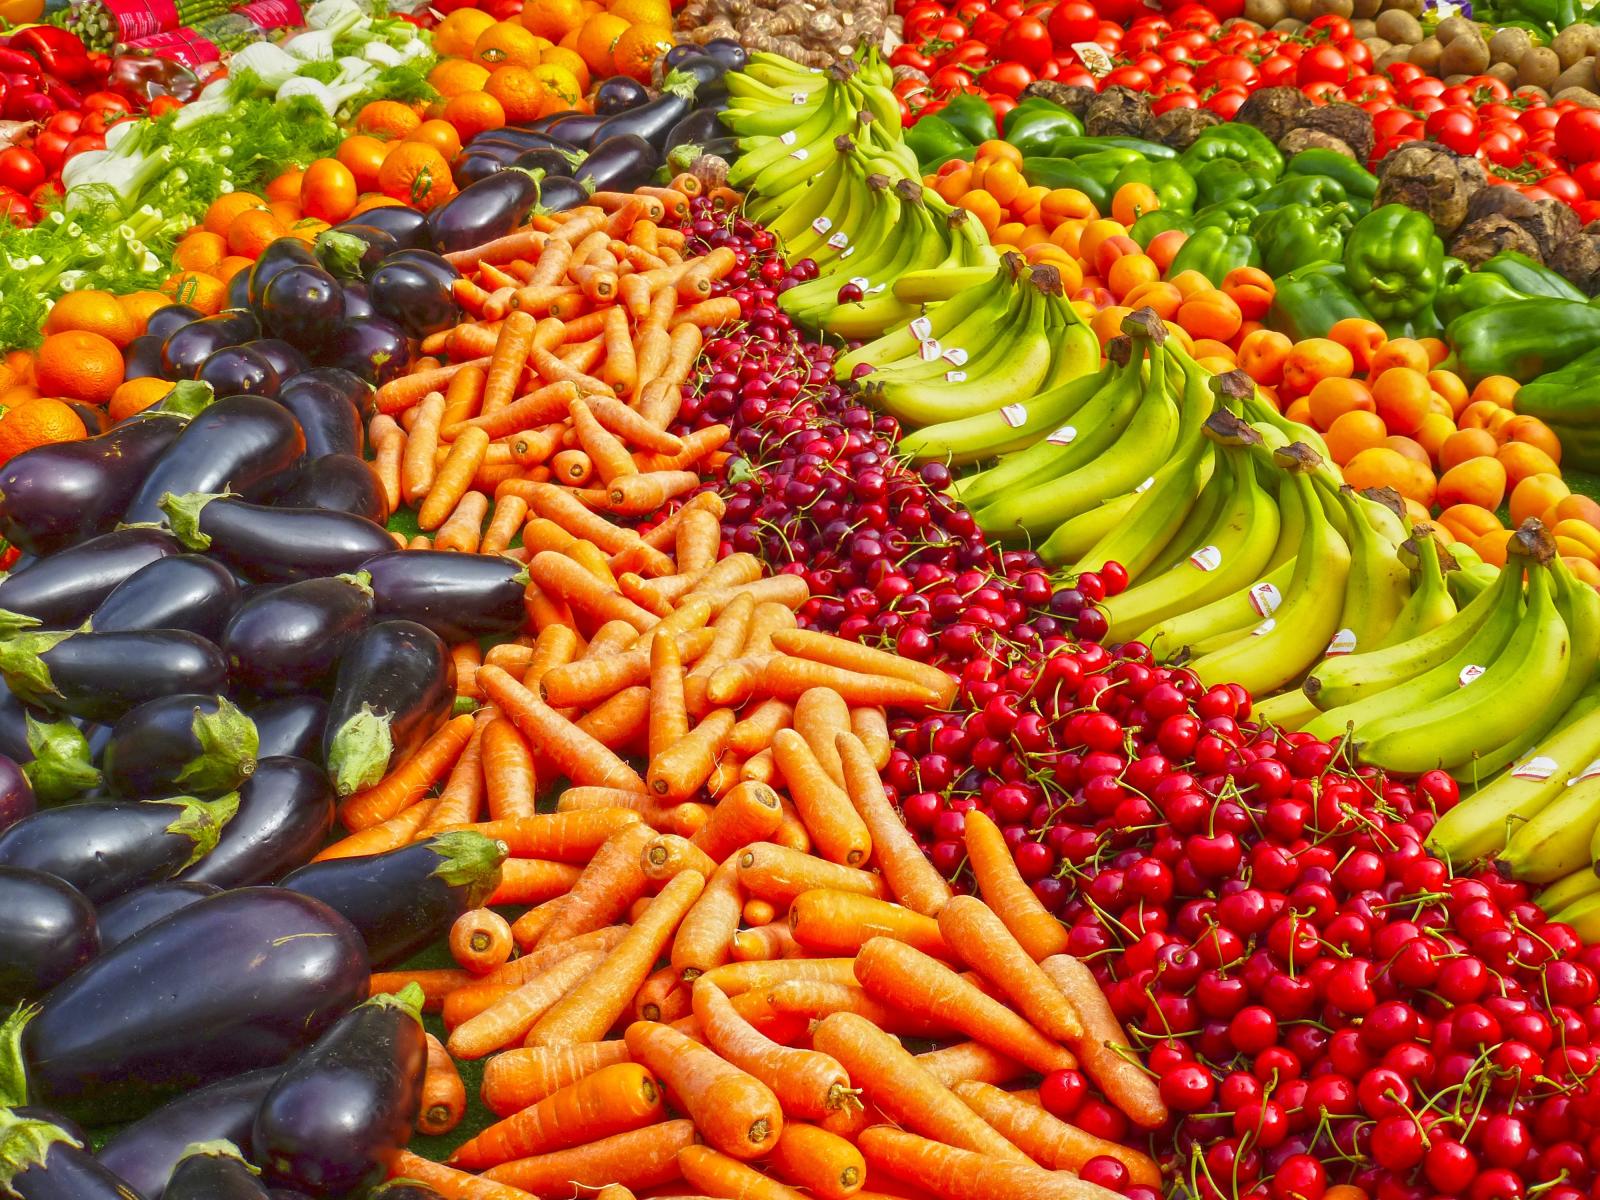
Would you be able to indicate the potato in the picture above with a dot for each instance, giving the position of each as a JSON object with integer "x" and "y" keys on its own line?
{"x": 1509, "y": 45}
{"x": 1302, "y": 10}
{"x": 1363, "y": 29}
{"x": 1579, "y": 95}
{"x": 1391, "y": 56}
{"x": 1266, "y": 13}
{"x": 1425, "y": 54}
{"x": 1465, "y": 54}
{"x": 1398, "y": 27}
{"x": 1579, "y": 75}
{"x": 1289, "y": 25}
{"x": 1366, "y": 9}
{"x": 1414, "y": 7}
{"x": 1504, "y": 72}
{"x": 1573, "y": 43}
{"x": 1376, "y": 45}
{"x": 1335, "y": 8}
{"x": 1453, "y": 27}
{"x": 1539, "y": 68}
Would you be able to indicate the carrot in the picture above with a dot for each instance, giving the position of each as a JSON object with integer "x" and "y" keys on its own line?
{"x": 615, "y": 1191}
{"x": 667, "y": 854}
{"x": 1050, "y": 1142}
{"x": 762, "y": 943}
{"x": 902, "y": 975}
{"x": 536, "y": 409}
{"x": 864, "y": 660}
{"x": 463, "y": 398}
{"x": 1105, "y": 1046}
{"x": 399, "y": 830}
{"x": 639, "y": 495}
{"x": 619, "y": 722}
{"x": 453, "y": 1184}
{"x": 737, "y": 978}
{"x": 627, "y": 208}
{"x": 661, "y": 987}
{"x": 613, "y": 1100}
{"x": 820, "y": 715}
{"x": 731, "y": 628}
{"x": 747, "y": 814}
{"x": 733, "y": 1110}
{"x": 563, "y": 579}
{"x": 816, "y": 999}
{"x": 591, "y": 679}
{"x": 683, "y": 819}
{"x": 620, "y": 369}
{"x": 953, "y": 1064}
{"x": 520, "y": 970}
{"x": 410, "y": 781}
{"x": 532, "y": 881}
{"x": 708, "y": 314}
{"x": 899, "y": 1085}
{"x": 871, "y": 725}
{"x": 508, "y": 772}
{"x": 664, "y": 535}
{"x": 612, "y": 880}
{"x": 768, "y": 618}
{"x": 702, "y": 939}
{"x": 560, "y": 506}
{"x": 758, "y": 912}
{"x": 503, "y": 1022}
{"x": 835, "y": 922}
{"x": 779, "y": 874}
{"x": 960, "y": 1174}
{"x": 912, "y": 879}
{"x": 595, "y": 561}
{"x": 435, "y": 984}
{"x": 401, "y": 393}
{"x": 726, "y": 775}
{"x": 453, "y": 478}
{"x": 573, "y": 837}
{"x": 553, "y": 647}
{"x": 838, "y": 831}
{"x": 679, "y": 770}
{"x": 583, "y": 759}
{"x": 984, "y": 943}
{"x": 589, "y": 1009}
{"x": 787, "y": 678}
{"x": 1004, "y": 890}
{"x": 573, "y": 468}
{"x": 610, "y": 457}
{"x": 462, "y": 793}
{"x": 640, "y": 1158}
{"x": 669, "y": 717}
{"x": 444, "y": 1097}
{"x": 388, "y": 451}
{"x": 524, "y": 243}
{"x": 416, "y": 467}
{"x": 467, "y": 658}
{"x": 822, "y": 1163}
{"x": 517, "y": 1078}
{"x": 693, "y": 613}
{"x": 696, "y": 447}
{"x": 480, "y": 940}
{"x": 625, "y": 423}
{"x": 717, "y": 1175}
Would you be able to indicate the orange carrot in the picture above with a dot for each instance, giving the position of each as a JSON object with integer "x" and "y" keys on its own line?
{"x": 503, "y": 1022}
{"x": 524, "y": 243}
{"x": 388, "y": 452}
{"x": 1104, "y": 1045}
{"x": 444, "y": 1097}
{"x": 416, "y": 467}
{"x": 453, "y": 1184}
{"x": 747, "y": 814}
{"x": 572, "y": 467}
{"x": 894, "y": 1081}
{"x": 467, "y": 658}
{"x": 708, "y": 314}
{"x": 702, "y": 939}
{"x": 664, "y": 535}
{"x": 610, "y": 457}
{"x": 400, "y": 394}
{"x": 589, "y": 1009}
{"x": 480, "y": 940}
{"x": 1050, "y": 1142}
{"x": 520, "y": 970}
{"x": 399, "y": 830}
{"x": 964, "y": 1061}
{"x": 816, "y": 999}
{"x": 463, "y": 398}
{"x": 669, "y": 717}
{"x": 453, "y": 478}
{"x": 839, "y": 832}
{"x": 680, "y": 769}
{"x": 462, "y": 794}
{"x": 820, "y": 715}
{"x": 697, "y": 446}
{"x": 662, "y": 987}
{"x": 620, "y": 369}
{"x": 532, "y": 881}
{"x": 864, "y": 660}
{"x": 911, "y": 877}
{"x": 517, "y": 1078}
{"x": 573, "y": 837}
{"x": 639, "y": 495}
{"x": 736, "y": 978}
{"x": 536, "y": 409}
{"x": 822, "y": 1163}
{"x": 667, "y": 854}
{"x": 629, "y": 425}
{"x": 1004, "y": 890}
{"x": 759, "y": 912}
{"x": 621, "y": 721}
{"x": 612, "y": 880}
{"x": 832, "y": 922}
{"x": 683, "y": 819}
{"x": 409, "y": 782}
{"x": 791, "y": 831}
{"x": 613, "y": 1100}
{"x": 563, "y": 579}
{"x": 731, "y": 629}
{"x": 734, "y": 1111}
{"x": 959, "y": 1174}
{"x": 642, "y": 1158}
{"x": 779, "y": 874}
{"x": 583, "y": 759}
{"x": 762, "y": 943}
{"x": 985, "y": 944}
{"x": 435, "y": 984}
{"x": 871, "y": 725}
{"x": 592, "y": 679}
{"x": 787, "y": 678}
{"x": 508, "y": 771}
{"x": 718, "y": 1175}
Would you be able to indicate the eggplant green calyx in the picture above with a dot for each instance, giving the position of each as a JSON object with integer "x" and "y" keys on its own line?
{"x": 201, "y": 821}
{"x": 228, "y": 746}
{"x": 218, "y": 1148}
{"x": 188, "y": 398}
{"x": 22, "y": 663}
{"x": 62, "y": 765}
{"x": 361, "y": 750}
{"x": 183, "y": 516}
{"x": 408, "y": 1000}
{"x": 25, "y": 1143}
{"x": 470, "y": 860}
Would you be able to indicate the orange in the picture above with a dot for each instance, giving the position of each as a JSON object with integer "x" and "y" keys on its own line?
{"x": 473, "y": 113}
{"x": 231, "y": 266}
{"x": 200, "y": 250}
{"x": 417, "y": 174}
{"x": 504, "y": 44}
{"x": 561, "y": 88}
{"x": 642, "y": 12}
{"x": 307, "y": 230}
{"x": 559, "y": 56}
{"x": 1351, "y": 433}
{"x": 1480, "y": 481}
{"x": 387, "y": 119}
{"x": 253, "y": 231}
{"x": 38, "y": 422}
{"x": 287, "y": 211}
{"x": 375, "y": 200}
{"x": 136, "y": 395}
{"x": 441, "y": 135}
{"x": 1464, "y": 445}
{"x": 140, "y": 305}
{"x": 1402, "y": 397}
{"x": 519, "y": 92}
{"x": 200, "y": 291}
{"x": 552, "y": 19}
{"x": 228, "y": 206}
{"x": 364, "y": 156}
{"x": 286, "y": 186}
{"x": 638, "y": 48}
{"x": 329, "y": 191}
{"x": 79, "y": 365}
{"x": 453, "y": 37}
{"x": 92, "y": 312}
{"x": 1535, "y": 495}
{"x": 457, "y": 76}
{"x": 597, "y": 40}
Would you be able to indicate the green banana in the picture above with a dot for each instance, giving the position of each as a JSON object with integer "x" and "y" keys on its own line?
{"x": 1556, "y": 840}
{"x": 1430, "y": 604}
{"x": 1378, "y": 584}
{"x": 1569, "y": 889}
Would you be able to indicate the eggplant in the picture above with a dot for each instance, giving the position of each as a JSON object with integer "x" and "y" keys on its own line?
{"x": 395, "y": 686}
{"x": 416, "y": 294}
{"x": 16, "y": 793}
{"x": 64, "y": 492}
{"x": 283, "y": 253}
{"x": 60, "y": 760}
{"x": 374, "y": 349}
{"x": 100, "y": 676}
{"x": 406, "y": 225}
{"x": 145, "y": 1152}
{"x": 302, "y": 305}
{"x": 345, "y": 1107}
{"x": 476, "y": 165}
{"x": 728, "y": 52}
{"x": 558, "y": 194}
{"x": 142, "y": 1023}
{"x": 14, "y": 716}
{"x": 527, "y": 136}
{"x": 327, "y": 417}
{"x": 271, "y": 543}
{"x": 142, "y": 358}
{"x": 239, "y": 371}
{"x": 285, "y": 359}
{"x": 239, "y": 290}
{"x": 187, "y": 348}
{"x": 577, "y": 129}
{"x": 186, "y": 591}
{"x": 357, "y": 306}
{"x": 130, "y": 915}
{"x": 289, "y": 727}
{"x": 459, "y": 596}
{"x": 195, "y": 744}
{"x": 214, "y": 1171}
{"x": 699, "y": 127}
{"x": 290, "y": 638}
{"x": 406, "y": 898}
{"x": 338, "y": 483}
{"x": 41, "y": 1161}
{"x": 556, "y": 164}
{"x": 49, "y": 932}
{"x": 62, "y": 589}
{"x": 285, "y": 815}
{"x": 355, "y": 251}
{"x": 348, "y": 384}
{"x": 652, "y": 119}
{"x": 618, "y": 94}
{"x": 488, "y": 209}
{"x": 405, "y": 1189}
{"x": 620, "y": 163}
{"x": 242, "y": 444}
{"x": 106, "y": 849}
{"x": 704, "y": 72}
{"x": 168, "y": 320}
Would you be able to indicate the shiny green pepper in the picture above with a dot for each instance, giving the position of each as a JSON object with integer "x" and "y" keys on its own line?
{"x": 1313, "y": 191}
{"x": 1244, "y": 144}
{"x": 1214, "y": 252}
{"x": 1174, "y": 187}
{"x": 1234, "y": 216}
{"x": 971, "y": 117}
{"x": 1036, "y": 124}
{"x": 1297, "y": 235}
{"x": 1090, "y": 174}
{"x": 935, "y": 141}
{"x": 1394, "y": 261}
{"x": 1470, "y": 291}
{"x": 1223, "y": 179}
{"x": 1531, "y": 278}
{"x": 1312, "y": 300}
{"x": 1150, "y": 226}
{"x": 1343, "y": 170}
{"x": 1523, "y": 338}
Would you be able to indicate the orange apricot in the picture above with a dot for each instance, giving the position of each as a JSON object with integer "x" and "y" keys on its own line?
{"x": 1401, "y": 396}
{"x": 1522, "y": 460}
{"x": 1534, "y": 494}
{"x": 1313, "y": 360}
{"x": 1331, "y": 398}
{"x": 1464, "y": 445}
{"x": 1480, "y": 481}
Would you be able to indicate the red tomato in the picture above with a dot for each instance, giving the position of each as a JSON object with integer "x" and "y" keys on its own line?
{"x": 1563, "y": 187}
{"x": 1356, "y": 53}
{"x": 66, "y": 122}
{"x": 21, "y": 169}
{"x": 1073, "y": 21}
{"x": 951, "y": 79}
{"x": 922, "y": 19}
{"x": 999, "y": 105}
{"x": 1073, "y": 75}
{"x": 1455, "y": 128}
{"x": 970, "y": 10}
{"x": 1027, "y": 41}
{"x": 1588, "y": 178}
{"x": 1226, "y": 103}
{"x": 1323, "y": 64}
{"x": 96, "y": 101}
{"x": 1276, "y": 71}
{"x": 84, "y": 141}
{"x": 1488, "y": 83}
{"x": 14, "y": 207}
{"x": 1578, "y": 135}
{"x": 51, "y": 147}
{"x": 1128, "y": 77}
{"x": 1008, "y": 78}
{"x": 989, "y": 27}
{"x": 909, "y": 56}
{"x": 1499, "y": 148}
{"x": 1405, "y": 72}
{"x": 1323, "y": 91}
{"x": 1234, "y": 68}
{"x": 1331, "y": 26}
{"x": 1587, "y": 211}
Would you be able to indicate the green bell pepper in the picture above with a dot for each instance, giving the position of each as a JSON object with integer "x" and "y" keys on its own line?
{"x": 1330, "y": 164}
{"x": 1297, "y": 235}
{"x": 1214, "y": 252}
{"x": 1568, "y": 401}
{"x": 971, "y": 117}
{"x": 1394, "y": 261}
{"x": 1470, "y": 291}
{"x": 1232, "y": 216}
{"x": 1244, "y": 144}
{"x": 1223, "y": 179}
{"x": 1148, "y": 227}
{"x": 1174, "y": 187}
{"x": 1092, "y": 174}
{"x": 1036, "y": 124}
{"x": 1313, "y": 191}
{"x": 1073, "y": 147}
{"x": 1312, "y": 300}
{"x": 1523, "y": 338}
{"x": 1531, "y": 278}
{"x": 935, "y": 141}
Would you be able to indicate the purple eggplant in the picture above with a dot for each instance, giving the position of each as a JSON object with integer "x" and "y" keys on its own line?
{"x": 328, "y": 418}
{"x": 14, "y": 716}
{"x": 41, "y": 1161}
{"x": 243, "y": 444}
{"x": 277, "y": 258}
{"x": 405, "y": 1189}
{"x": 238, "y": 290}
{"x": 575, "y": 128}
{"x": 395, "y": 686}
{"x": 620, "y": 163}
{"x": 214, "y": 1171}
{"x": 285, "y": 359}
{"x": 651, "y": 120}
{"x": 406, "y": 225}
{"x": 195, "y": 744}
{"x": 556, "y": 164}
{"x": 353, "y": 252}
{"x": 728, "y": 52}
{"x": 64, "y": 588}
{"x": 526, "y": 137}
{"x": 239, "y": 371}
{"x": 16, "y": 794}
{"x": 489, "y": 209}
{"x": 100, "y": 676}
{"x": 145, "y": 1152}
{"x": 618, "y": 94}
{"x": 143, "y": 1023}
{"x": 348, "y": 384}
{"x": 106, "y": 849}
{"x": 285, "y": 815}
{"x": 357, "y": 304}
{"x": 57, "y": 494}
{"x": 459, "y": 596}
{"x": 291, "y": 638}
{"x": 706, "y": 71}
{"x": 699, "y": 127}
{"x": 558, "y": 194}
{"x": 187, "y": 348}
{"x": 338, "y": 483}
{"x": 476, "y": 165}
{"x": 346, "y": 1107}
{"x": 413, "y": 293}
{"x": 186, "y": 591}
{"x": 290, "y": 726}
{"x": 302, "y": 305}
{"x": 142, "y": 358}
{"x": 132, "y": 914}
{"x": 168, "y": 320}
{"x": 48, "y": 933}
{"x": 271, "y": 543}
{"x": 375, "y": 349}
{"x": 406, "y": 898}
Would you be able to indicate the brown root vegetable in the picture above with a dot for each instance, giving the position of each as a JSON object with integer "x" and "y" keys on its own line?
{"x": 1297, "y": 140}
{"x": 1425, "y": 54}
{"x": 1432, "y": 179}
{"x": 1539, "y": 68}
{"x": 1547, "y": 222}
{"x": 1478, "y": 241}
{"x": 1334, "y": 8}
{"x": 1302, "y": 10}
{"x": 1509, "y": 45}
{"x": 1575, "y": 42}
{"x": 1266, "y": 12}
{"x": 1289, "y": 25}
{"x": 1178, "y": 127}
{"x": 1401, "y": 28}
{"x": 1274, "y": 111}
{"x": 1367, "y": 10}
{"x": 1579, "y": 95}
{"x": 1579, "y": 75}
{"x": 1504, "y": 72}
{"x": 1117, "y": 112}
{"x": 1350, "y": 123}
{"x": 1453, "y": 27}
{"x": 1390, "y": 57}
{"x": 1365, "y": 30}
{"x": 1578, "y": 258}
{"x": 1074, "y": 99}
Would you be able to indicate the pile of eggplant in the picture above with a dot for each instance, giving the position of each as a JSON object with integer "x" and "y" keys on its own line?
{"x": 627, "y": 142}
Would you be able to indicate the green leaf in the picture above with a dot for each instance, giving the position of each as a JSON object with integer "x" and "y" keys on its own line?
{"x": 183, "y": 517}
{"x": 22, "y": 663}
{"x": 25, "y": 1143}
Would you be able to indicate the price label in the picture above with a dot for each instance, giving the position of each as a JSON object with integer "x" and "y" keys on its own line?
{"x": 955, "y": 376}
{"x": 1094, "y": 58}
{"x": 1344, "y": 642}
{"x": 921, "y": 329}
{"x": 1539, "y": 768}
{"x": 839, "y": 241}
{"x": 1207, "y": 558}
{"x": 929, "y": 350}
{"x": 861, "y": 281}
{"x": 1144, "y": 487}
{"x": 1264, "y": 628}
{"x": 1013, "y": 414}
{"x": 787, "y": 138}
{"x": 1470, "y": 672}
{"x": 1265, "y": 598}
{"x": 822, "y": 225}
{"x": 1588, "y": 772}
{"x": 1063, "y": 436}
{"x": 956, "y": 356}
{"x": 800, "y": 154}
{"x": 799, "y": 97}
